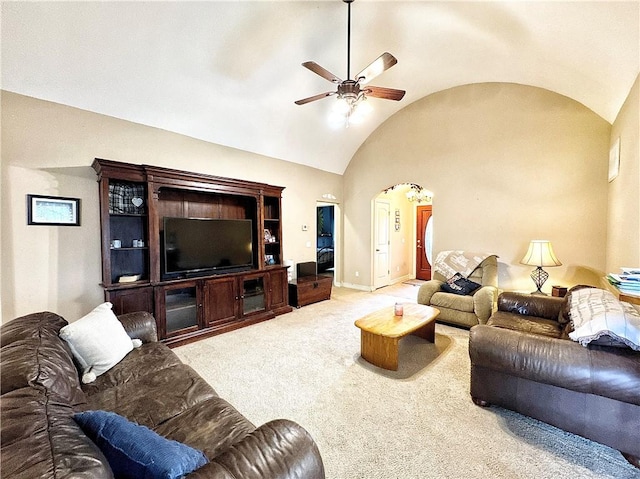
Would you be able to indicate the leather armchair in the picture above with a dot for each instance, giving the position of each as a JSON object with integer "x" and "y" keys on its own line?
{"x": 522, "y": 360}
{"x": 462, "y": 310}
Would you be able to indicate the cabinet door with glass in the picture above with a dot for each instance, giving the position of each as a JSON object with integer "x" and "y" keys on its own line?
{"x": 253, "y": 298}
{"x": 181, "y": 305}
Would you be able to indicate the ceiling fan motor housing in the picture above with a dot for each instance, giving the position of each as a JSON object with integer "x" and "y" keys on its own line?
{"x": 349, "y": 90}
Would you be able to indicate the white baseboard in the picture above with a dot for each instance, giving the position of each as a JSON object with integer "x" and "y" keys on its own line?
{"x": 362, "y": 287}
{"x": 359, "y": 287}
{"x": 402, "y": 279}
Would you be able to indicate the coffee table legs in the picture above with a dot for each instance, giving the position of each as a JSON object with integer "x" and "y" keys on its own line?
{"x": 379, "y": 350}
{"x": 428, "y": 332}
{"x": 382, "y": 351}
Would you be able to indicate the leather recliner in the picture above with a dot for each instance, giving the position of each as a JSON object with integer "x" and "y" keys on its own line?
{"x": 523, "y": 360}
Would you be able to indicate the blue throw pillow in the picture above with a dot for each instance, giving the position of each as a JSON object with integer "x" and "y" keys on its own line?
{"x": 135, "y": 451}
{"x": 458, "y": 284}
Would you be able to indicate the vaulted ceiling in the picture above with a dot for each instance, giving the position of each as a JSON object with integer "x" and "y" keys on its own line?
{"x": 229, "y": 72}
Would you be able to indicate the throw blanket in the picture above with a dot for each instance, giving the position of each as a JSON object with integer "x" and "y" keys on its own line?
{"x": 449, "y": 263}
{"x": 596, "y": 313}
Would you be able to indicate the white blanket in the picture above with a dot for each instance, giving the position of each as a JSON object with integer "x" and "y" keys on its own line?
{"x": 596, "y": 313}
{"x": 449, "y": 263}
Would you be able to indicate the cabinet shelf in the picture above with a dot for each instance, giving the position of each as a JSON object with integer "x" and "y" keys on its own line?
{"x": 130, "y": 248}
{"x": 130, "y": 285}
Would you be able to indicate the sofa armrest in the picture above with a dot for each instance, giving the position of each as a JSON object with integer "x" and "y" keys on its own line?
{"x": 547, "y": 307}
{"x": 484, "y": 300}
{"x": 427, "y": 290}
{"x": 140, "y": 325}
{"x": 279, "y": 449}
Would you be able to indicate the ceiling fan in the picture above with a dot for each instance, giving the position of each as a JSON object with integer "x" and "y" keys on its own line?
{"x": 354, "y": 91}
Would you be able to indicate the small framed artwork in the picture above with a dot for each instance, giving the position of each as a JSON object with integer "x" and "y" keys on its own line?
{"x": 269, "y": 259}
{"x": 53, "y": 210}
{"x": 268, "y": 238}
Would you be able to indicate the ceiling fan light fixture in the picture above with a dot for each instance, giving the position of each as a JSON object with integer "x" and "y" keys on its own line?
{"x": 360, "y": 110}
{"x": 350, "y": 92}
{"x": 342, "y": 106}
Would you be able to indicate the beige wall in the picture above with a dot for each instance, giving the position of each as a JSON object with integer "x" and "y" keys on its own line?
{"x": 48, "y": 148}
{"x": 506, "y": 163}
{"x": 623, "y": 225}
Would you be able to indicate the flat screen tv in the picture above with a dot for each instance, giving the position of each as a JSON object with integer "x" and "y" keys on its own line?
{"x": 193, "y": 246}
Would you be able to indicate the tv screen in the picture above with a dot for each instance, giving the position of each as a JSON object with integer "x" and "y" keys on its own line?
{"x": 198, "y": 245}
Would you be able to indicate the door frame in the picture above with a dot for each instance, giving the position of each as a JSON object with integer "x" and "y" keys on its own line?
{"x": 337, "y": 245}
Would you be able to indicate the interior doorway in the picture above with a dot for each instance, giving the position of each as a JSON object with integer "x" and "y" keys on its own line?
{"x": 326, "y": 238}
{"x": 424, "y": 237}
{"x": 395, "y": 234}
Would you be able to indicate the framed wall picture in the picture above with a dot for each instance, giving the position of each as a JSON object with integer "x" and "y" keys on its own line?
{"x": 53, "y": 210}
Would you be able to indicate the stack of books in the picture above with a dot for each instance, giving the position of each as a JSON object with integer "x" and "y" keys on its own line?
{"x": 628, "y": 281}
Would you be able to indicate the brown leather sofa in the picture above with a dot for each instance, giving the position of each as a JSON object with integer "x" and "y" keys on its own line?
{"x": 41, "y": 391}
{"x": 522, "y": 360}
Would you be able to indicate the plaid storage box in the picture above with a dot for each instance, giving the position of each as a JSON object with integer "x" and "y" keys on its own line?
{"x": 127, "y": 198}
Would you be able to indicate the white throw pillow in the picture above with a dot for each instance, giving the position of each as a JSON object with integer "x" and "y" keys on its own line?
{"x": 98, "y": 341}
{"x": 596, "y": 313}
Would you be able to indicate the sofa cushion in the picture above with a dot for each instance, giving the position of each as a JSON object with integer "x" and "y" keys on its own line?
{"x": 527, "y": 324}
{"x": 151, "y": 358}
{"x": 155, "y": 397}
{"x": 134, "y": 451}
{"x": 596, "y": 313}
{"x": 452, "y": 301}
{"x": 212, "y": 426}
{"x": 458, "y": 284}
{"x": 98, "y": 341}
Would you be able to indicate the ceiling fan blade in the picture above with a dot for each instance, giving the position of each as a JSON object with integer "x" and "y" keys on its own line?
{"x": 380, "y": 64}
{"x": 323, "y": 72}
{"x": 315, "y": 97}
{"x": 385, "y": 93}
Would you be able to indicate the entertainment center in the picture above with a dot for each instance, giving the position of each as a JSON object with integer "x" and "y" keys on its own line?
{"x": 202, "y": 253}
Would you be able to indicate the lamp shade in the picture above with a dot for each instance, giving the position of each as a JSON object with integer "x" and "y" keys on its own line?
{"x": 540, "y": 253}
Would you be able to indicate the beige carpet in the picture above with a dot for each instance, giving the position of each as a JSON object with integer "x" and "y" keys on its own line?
{"x": 418, "y": 422}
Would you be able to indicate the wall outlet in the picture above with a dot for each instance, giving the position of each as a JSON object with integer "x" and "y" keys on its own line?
{"x": 357, "y": 273}
{"x": 308, "y": 244}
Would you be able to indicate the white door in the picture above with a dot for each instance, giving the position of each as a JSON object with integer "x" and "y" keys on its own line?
{"x": 382, "y": 215}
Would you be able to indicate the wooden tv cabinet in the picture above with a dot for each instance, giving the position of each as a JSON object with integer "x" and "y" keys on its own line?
{"x": 134, "y": 199}
{"x": 309, "y": 289}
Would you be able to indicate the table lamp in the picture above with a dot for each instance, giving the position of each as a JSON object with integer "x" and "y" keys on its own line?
{"x": 539, "y": 254}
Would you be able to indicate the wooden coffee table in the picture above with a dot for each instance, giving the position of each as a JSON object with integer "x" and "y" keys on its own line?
{"x": 381, "y": 331}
